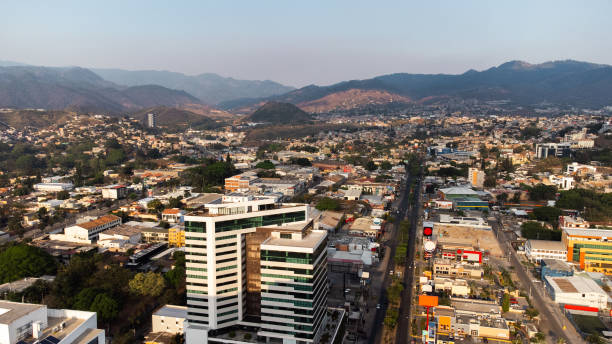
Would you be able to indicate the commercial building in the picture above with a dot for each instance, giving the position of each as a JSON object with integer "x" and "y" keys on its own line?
{"x": 221, "y": 263}
{"x": 155, "y": 235}
{"x": 572, "y": 222}
{"x": 536, "y": 250}
{"x": 555, "y": 268}
{"x": 589, "y": 248}
{"x": 287, "y": 187}
{"x": 447, "y": 267}
{"x": 240, "y": 182}
{"x": 33, "y": 323}
{"x": 577, "y": 291}
{"x": 474, "y": 318}
{"x": 455, "y": 287}
{"x": 119, "y": 236}
{"x": 86, "y": 232}
{"x": 294, "y": 286}
{"x": 53, "y": 187}
{"x": 114, "y": 192}
{"x": 366, "y": 226}
{"x": 559, "y": 150}
{"x": 476, "y": 177}
{"x": 176, "y": 236}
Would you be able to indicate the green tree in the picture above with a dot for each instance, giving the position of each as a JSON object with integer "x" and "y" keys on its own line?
{"x": 594, "y": 338}
{"x": 149, "y": 283}
{"x": 327, "y": 203}
{"x": 490, "y": 181}
{"x": 85, "y": 298}
{"x": 175, "y": 202}
{"x": 106, "y": 308}
{"x": 385, "y": 165}
{"x": 548, "y": 214}
{"x": 155, "y": 206}
{"x": 301, "y": 161}
{"x": 266, "y": 165}
{"x": 115, "y": 157}
{"x": 542, "y": 192}
{"x": 19, "y": 260}
{"x": 370, "y": 165}
{"x": 62, "y": 195}
{"x": 534, "y": 230}
{"x": 506, "y": 303}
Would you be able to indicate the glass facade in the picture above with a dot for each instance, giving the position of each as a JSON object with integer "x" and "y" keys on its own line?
{"x": 259, "y": 221}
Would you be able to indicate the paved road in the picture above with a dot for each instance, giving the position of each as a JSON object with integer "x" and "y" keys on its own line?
{"x": 403, "y": 333}
{"x": 552, "y": 320}
{"x": 376, "y": 329}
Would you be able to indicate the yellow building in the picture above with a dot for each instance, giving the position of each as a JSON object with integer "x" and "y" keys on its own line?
{"x": 176, "y": 236}
{"x": 589, "y": 248}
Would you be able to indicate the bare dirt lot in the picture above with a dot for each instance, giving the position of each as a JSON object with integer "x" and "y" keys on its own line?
{"x": 478, "y": 238}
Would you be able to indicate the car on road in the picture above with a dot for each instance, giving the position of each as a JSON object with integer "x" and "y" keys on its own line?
{"x": 378, "y": 306}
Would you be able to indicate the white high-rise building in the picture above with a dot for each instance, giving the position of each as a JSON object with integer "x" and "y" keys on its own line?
{"x": 216, "y": 268}
{"x": 151, "y": 117}
{"x": 294, "y": 286}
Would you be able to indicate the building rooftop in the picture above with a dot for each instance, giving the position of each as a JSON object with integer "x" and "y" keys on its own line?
{"x": 172, "y": 311}
{"x": 171, "y": 211}
{"x": 546, "y": 245}
{"x": 476, "y": 306}
{"x": 584, "y": 232}
{"x": 555, "y": 264}
{"x": 574, "y": 284}
{"x": 312, "y": 240}
{"x": 123, "y": 230}
{"x": 11, "y": 311}
{"x": 458, "y": 191}
{"x": 102, "y": 220}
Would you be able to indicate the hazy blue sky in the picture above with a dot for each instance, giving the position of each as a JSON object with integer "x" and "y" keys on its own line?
{"x": 304, "y": 42}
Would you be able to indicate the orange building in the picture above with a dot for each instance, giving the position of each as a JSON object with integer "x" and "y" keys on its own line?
{"x": 240, "y": 181}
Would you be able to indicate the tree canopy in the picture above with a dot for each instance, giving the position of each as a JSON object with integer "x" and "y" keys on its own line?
{"x": 542, "y": 192}
{"x": 534, "y": 230}
{"x": 266, "y": 165}
{"x": 19, "y": 261}
{"x": 149, "y": 283}
{"x": 327, "y": 203}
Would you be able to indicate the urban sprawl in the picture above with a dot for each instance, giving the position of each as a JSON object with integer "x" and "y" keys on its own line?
{"x": 432, "y": 228}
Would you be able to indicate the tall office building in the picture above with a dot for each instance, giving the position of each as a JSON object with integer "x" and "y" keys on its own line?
{"x": 151, "y": 117}
{"x": 218, "y": 268}
{"x": 293, "y": 286}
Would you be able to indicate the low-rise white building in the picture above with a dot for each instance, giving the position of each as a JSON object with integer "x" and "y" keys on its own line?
{"x": 576, "y": 290}
{"x": 24, "y": 322}
{"x": 536, "y": 250}
{"x": 85, "y": 232}
{"x": 53, "y": 187}
{"x": 456, "y": 287}
{"x": 114, "y": 192}
{"x": 169, "y": 319}
{"x": 173, "y": 215}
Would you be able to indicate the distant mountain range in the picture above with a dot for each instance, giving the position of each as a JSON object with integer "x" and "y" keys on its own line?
{"x": 564, "y": 83}
{"x": 209, "y": 88}
{"x": 79, "y": 89}
{"x": 568, "y": 83}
